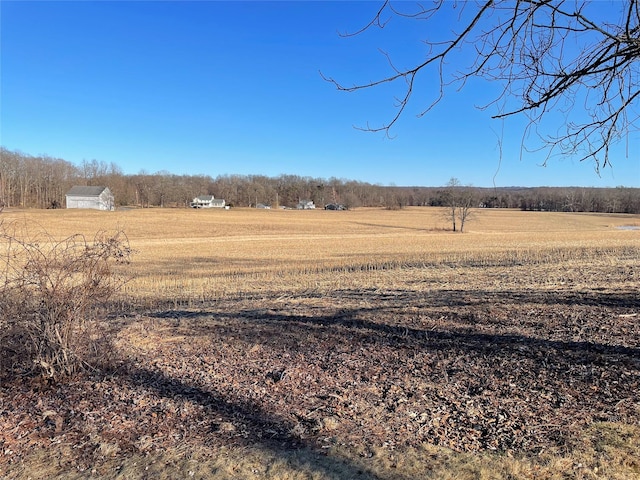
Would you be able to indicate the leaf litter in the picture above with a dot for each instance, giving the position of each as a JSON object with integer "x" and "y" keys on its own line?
{"x": 507, "y": 369}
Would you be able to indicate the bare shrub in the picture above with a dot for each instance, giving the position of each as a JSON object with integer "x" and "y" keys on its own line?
{"x": 49, "y": 290}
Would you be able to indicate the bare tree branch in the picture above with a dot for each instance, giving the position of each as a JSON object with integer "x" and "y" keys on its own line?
{"x": 547, "y": 54}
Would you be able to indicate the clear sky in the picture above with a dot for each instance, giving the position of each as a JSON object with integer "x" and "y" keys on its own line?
{"x": 217, "y": 88}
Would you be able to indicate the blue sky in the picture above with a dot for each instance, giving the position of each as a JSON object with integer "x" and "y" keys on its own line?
{"x": 235, "y": 88}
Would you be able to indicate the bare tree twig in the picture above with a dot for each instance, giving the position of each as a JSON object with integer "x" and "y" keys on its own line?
{"x": 546, "y": 54}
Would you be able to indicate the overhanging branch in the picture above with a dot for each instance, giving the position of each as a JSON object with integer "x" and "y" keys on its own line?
{"x": 542, "y": 51}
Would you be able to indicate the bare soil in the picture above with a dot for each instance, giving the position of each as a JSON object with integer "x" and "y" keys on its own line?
{"x": 516, "y": 360}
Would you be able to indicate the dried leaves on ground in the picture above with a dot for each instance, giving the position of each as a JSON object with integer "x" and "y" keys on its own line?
{"x": 471, "y": 359}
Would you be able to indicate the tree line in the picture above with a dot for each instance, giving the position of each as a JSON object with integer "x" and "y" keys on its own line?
{"x": 41, "y": 182}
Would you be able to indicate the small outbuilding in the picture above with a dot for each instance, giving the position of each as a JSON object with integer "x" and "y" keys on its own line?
{"x": 96, "y": 198}
{"x": 207, "y": 201}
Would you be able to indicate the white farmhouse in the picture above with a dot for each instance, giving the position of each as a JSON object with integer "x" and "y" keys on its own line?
{"x": 306, "y": 205}
{"x": 207, "y": 201}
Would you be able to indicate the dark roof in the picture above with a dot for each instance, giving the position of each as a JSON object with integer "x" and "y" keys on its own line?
{"x": 82, "y": 191}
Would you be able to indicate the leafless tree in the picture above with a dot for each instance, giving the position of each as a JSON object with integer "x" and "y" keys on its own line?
{"x": 577, "y": 58}
{"x": 460, "y": 202}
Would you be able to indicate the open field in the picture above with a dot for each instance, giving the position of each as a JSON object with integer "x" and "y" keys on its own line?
{"x": 358, "y": 344}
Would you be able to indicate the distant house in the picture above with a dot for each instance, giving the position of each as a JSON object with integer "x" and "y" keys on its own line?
{"x": 97, "y": 198}
{"x": 306, "y": 205}
{"x": 207, "y": 201}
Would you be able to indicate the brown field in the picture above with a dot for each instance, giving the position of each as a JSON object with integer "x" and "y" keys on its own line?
{"x": 359, "y": 344}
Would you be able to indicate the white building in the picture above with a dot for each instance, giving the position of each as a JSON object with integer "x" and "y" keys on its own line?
{"x": 97, "y": 198}
{"x": 306, "y": 205}
{"x": 207, "y": 201}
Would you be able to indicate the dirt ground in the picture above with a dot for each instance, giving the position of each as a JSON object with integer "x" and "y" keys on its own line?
{"x": 515, "y": 359}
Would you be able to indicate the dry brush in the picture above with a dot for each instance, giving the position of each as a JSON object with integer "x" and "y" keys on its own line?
{"x": 49, "y": 290}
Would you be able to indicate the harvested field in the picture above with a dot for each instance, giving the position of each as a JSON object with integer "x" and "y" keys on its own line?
{"x": 363, "y": 344}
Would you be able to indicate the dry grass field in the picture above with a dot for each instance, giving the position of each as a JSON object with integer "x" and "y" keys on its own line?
{"x": 361, "y": 344}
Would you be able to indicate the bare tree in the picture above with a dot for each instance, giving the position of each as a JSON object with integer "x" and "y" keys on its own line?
{"x": 459, "y": 204}
{"x": 574, "y": 57}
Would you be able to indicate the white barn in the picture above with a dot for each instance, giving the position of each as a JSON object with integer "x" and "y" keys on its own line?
{"x": 97, "y": 198}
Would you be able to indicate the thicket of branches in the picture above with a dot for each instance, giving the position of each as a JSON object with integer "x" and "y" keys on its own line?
{"x": 50, "y": 291}
{"x": 41, "y": 182}
{"x": 576, "y": 58}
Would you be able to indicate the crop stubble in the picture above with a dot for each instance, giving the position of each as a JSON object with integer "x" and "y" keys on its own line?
{"x": 368, "y": 329}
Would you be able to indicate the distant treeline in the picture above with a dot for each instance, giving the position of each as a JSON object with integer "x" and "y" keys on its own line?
{"x": 42, "y": 181}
